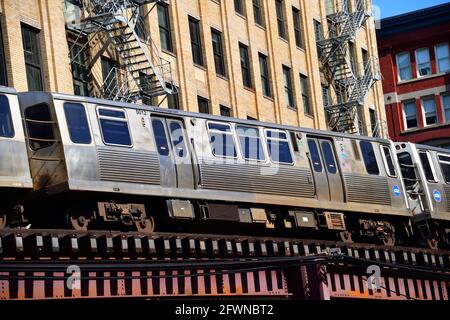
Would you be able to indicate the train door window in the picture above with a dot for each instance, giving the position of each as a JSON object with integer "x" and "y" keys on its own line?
{"x": 222, "y": 141}
{"x": 445, "y": 165}
{"x": 328, "y": 155}
{"x": 279, "y": 149}
{"x": 39, "y": 127}
{"x": 315, "y": 155}
{"x": 6, "y": 124}
{"x": 370, "y": 160}
{"x": 177, "y": 137}
{"x": 388, "y": 162}
{"x": 250, "y": 143}
{"x": 114, "y": 126}
{"x": 160, "y": 137}
{"x": 408, "y": 170}
{"x": 77, "y": 123}
{"x": 427, "y": 167}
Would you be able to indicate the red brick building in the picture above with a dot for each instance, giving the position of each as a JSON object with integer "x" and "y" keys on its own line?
{"x": 415, "y": 63}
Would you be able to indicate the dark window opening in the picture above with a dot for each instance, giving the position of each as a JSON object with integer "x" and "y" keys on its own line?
{"x": 160, "y": 137}
{"x": 328, "y": 155}
{"x": 369, "y": 157}
{"x": 297, "y": 27}
{"x": 250, "y": 142}
{"x": 30, "y": 41}
{"x": 219, "y": 60}
{"x": 6, "y": 124}
{"x": 203, "y": 105}
{"x": 39, "y": 127}
{"x": 239, "y": 7}
{"x": 245, "y": 66}
{"x": 196, "y": 42}
{"x": 114, "y": 127}
{"x": 280, "y": 19}
{"x": 408, "y": 170}
{"x": 319, "y": 36}
{"x": 278, "y": 145}
{"x": 222, "y": 141}
{"x": 225, "y": 111}
{"x": 165, "y": 33}
{"x": 258, "y": 12}
{"x": 79, "y": 70}
{"x": 173, "y": 100}
{"x": 287, "y": 81}
{"x": 315, "y": 156}
{"x": 265, "y": 75}
{"x": 77, "y": 123}
{"x": 390, "y": 168}
{"x": 426, "y": 164}
{"x": 305, "y": 95}
{"x": 445, "y": 165}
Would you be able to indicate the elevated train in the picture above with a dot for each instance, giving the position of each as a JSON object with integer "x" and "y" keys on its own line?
{"x": 84, "y": 163}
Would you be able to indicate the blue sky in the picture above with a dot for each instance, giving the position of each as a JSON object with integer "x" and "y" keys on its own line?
{"x": 394, "y": 7}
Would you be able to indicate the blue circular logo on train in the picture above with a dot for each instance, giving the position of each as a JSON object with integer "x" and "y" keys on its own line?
{"x": 397, "y": 191}
{"x": 437, "y": 196}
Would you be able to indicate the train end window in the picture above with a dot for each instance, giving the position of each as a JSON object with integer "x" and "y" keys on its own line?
{"x": 221, "y": 139}
{"x": 427, "y": 167}
{"x": 388, "y": 161}
{"x": 369, "y": 157}
{"x": 77, "y": 123}
{"x": 250, "y": 142}
{"x": 279, "y": 149}
{"x": 114, "y": 126}
{"x": 39, "y": 125}
{"x": 6, "y": 124}
{"x": 445, "y": 165}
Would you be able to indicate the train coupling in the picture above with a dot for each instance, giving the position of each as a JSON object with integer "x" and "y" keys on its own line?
{"x": 127, "y": 214}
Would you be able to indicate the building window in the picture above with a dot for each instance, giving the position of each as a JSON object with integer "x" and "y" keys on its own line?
{"x": 423, "y": 61}
{"x": 245, "y": 66}
{"x": 265, "y": 75}
{"x": 6, "y": 124}
{"x": 288, "y": 93}
{"x": 3, "y": 77}
{"x": 173, "y": 100}
{"x": 219, "y": 60}
{"x": 258, "y": 12}
{"x": 446, "y": 107}
{"x": 297, "y": 27}
{"x": 225, "y": 111}
{"x": 141, "y": 27}
{"x": 30, "y": 41}
{"x": 196, "y": 43}
{"x": 365, "y": 59}
{"x": 222, "y": 141}
{"x": 319, "y": 36}
{"x": 77, "y": 123}
{"x": 239, "y": 7}
{"x": 370, "y": 160}
{"x": 305, "y": 94}
{"x": 165, "y": 33}
{"x": 404, "y": 66}
{"x": 280, "y": 19}
{"x": 429, "y": 109}
{"x": 410, "y": 112}
{"x": 203, "y": 105}
{"x": 329, "y": 7}
{"x": 374, "y": 123}
{"x": 79, "y": 70}
{"x": 110, "y": 75}
{"x": 352, "y": 57}
{"x": 443, "y": 57}
{"x": 326, "y": 95}
{"x": 114, "y": 125}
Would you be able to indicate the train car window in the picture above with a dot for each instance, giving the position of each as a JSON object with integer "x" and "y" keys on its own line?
{"x": 370, "y": 160}
{"x": 222, "y": 141}
{"x": 388, "y": 162}
{"x": 426, "y": 164}
{"x": 39, "y": 127}
{"x": 315, "y": 156}
{"x": 114, "y": 127}
{"x": 177, "y": 136}
{"x": 6, "y": 124}
{"x": 445, "y": 165}
{"x": 250, "y": 142}
{"x": 278, "y": 144}
{"x": 408, "y": 170}
{"x": 329, "y": 157}
{"x": 160, "y": 137}
{"x": 77, "y": 123}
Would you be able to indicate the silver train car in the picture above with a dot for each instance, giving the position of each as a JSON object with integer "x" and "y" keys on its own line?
{"x": 96, "y": 161}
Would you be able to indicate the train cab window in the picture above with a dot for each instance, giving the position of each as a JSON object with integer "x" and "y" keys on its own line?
{"x": 388, "y": 162}
{"x": 6, "y": 124}
{"x": 426, "y": 165}
{"x": 39, "y": 127}
{"x": 222, "y": 141}
{"x": 445, "y": 165}
{"x": 408, "y": 170}
{"x": 177, "y": 136}
{"x": 250, "y": 142}
{"x": 114, "y": 125}
{"x": 370, "y": 160}
{"x": 279, "y": 149}
{"x": 328, "y": 156}
{"x": 160, "y": 137}
{"x": 77, "y": 123}
{"x": 315, "y": 156}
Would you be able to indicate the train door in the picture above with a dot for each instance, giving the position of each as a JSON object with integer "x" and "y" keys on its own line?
{"x": 326, "y": 170}
{"x": 175, "y": 161}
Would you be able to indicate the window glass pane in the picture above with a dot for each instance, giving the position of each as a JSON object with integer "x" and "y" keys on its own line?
{"x": 369, "y": 157}
{"x": 445, "y": 165}
{"x": 39, "y": 126}
{"x": 176, "y": 133}
{"x": 390, "y": 164}
{"x": 410, "y": 114}
{"x": 77, "y": 123}
{"x": 329, "y": 157}
{"x": 446, "y": 105}
{"x": 250, "y": 143}
{"x": 427, "y": 166}
{"x": 279, "y": 151}
{"x": 276, "y": 134}
{"x": 111, "y": 113}
{"x": 423, "y": 61}
{"x": 257, "y": 12}
{"x": 407, "y": 168}
{"x": 429, "y": 106}
{"x": 164, "y": 27}
{"x": 315, "y": 156}
{"x": 6, "y": 124}
{"x": 443, "y": 57}
{"x": 115, "y": 132}
{"x": 160, "y": 137}
{"x": 280, "y": 18}
{"x": 404, "y": 66}
{"x": 222, "y": 142}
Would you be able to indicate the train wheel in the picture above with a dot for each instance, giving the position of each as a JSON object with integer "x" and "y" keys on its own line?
{"x": 145, "y": 225}
{"x": 345, "y": 236}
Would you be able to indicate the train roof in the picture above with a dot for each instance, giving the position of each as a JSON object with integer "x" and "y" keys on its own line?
{"x": 9, "y": 90}
{"x": 61, "y": 96}
{"x": 431, "y": 148}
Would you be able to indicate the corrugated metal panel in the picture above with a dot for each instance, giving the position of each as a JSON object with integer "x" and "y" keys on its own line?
{"x": 447, "y": 195}
{"x": 286, "y": 181}
{"x": 367, "y": 189}
{"x": 128, "y": 166}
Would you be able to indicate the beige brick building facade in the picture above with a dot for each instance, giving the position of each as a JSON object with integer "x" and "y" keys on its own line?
{"x": 294, "y": 52}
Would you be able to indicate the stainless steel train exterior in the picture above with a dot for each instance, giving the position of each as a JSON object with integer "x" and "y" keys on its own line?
{"x": 15, "y": 177}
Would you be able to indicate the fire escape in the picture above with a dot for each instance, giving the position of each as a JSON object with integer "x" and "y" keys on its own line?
{"x": 340, "y": 70}
{"x": 141, "y": 73}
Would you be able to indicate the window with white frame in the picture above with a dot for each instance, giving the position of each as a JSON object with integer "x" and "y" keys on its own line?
{"x": 429, "y": 110}
{"x": 423, "y": 62}
{"x": 404, "y": 66}
{"x": 446, "y": 106}
{"x": 443, "y": 57}
{"x": 410, "y": 112}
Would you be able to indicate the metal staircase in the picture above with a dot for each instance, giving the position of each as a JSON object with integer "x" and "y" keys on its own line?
{"x": 141, "y": 72}
{"x": 350, "y": 86}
